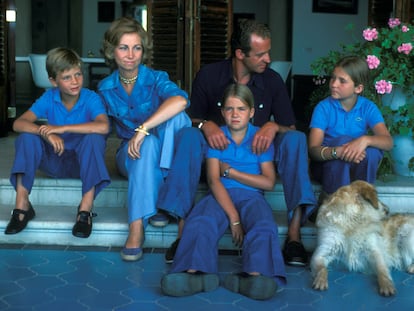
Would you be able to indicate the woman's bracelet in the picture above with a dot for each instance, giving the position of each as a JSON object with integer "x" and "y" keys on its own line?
{"x": 322, "y": 151}
{"x": 235, "y": 223}
{"x": 142, "y": 129}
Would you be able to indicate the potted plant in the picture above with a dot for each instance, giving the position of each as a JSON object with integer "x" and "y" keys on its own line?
{"x": 389, "y": 55}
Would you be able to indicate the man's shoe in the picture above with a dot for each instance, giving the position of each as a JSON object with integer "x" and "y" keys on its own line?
{"x": 295, "y": 254}
{"x": 185, "y": 284}
{"x": 257, "y": 287}
{"x": 159, "y": 220}
{"x": 170, "y": 253}
{"x": 15, "y": 224}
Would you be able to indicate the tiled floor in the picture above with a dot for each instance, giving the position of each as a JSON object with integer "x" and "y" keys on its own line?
{"x": 63, "y": 278}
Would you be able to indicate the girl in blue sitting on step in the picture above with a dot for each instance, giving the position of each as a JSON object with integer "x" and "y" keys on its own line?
{"x": 237, "y": 179}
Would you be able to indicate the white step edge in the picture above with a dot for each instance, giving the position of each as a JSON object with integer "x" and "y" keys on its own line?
{"x": 53, "y": 226}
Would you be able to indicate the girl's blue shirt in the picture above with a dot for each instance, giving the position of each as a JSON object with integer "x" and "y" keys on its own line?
{"x": 241, "y": 157}
{"x": 330, "y": 117}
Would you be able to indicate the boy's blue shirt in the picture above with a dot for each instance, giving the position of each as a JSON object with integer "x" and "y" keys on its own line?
{"x": 241, "y": 157}
{"x": 49, "y": 106}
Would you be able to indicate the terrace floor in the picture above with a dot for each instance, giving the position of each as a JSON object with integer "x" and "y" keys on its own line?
{"x": 69, "y": 278}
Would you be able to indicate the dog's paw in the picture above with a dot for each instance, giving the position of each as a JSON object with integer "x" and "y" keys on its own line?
{"x": 386, "y": 288}
{"x": 410, "y": 269}
{"x": 320, "y": 282}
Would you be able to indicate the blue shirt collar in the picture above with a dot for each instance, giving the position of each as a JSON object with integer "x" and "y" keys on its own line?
{"x": 249, "y": 133}
{"x": 357, "y": 105}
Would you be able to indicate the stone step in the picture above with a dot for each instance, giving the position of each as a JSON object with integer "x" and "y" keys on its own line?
{"x": 56, "y": 201}
{"x": 53, "y": 226}
{"x": 397, "y": 192}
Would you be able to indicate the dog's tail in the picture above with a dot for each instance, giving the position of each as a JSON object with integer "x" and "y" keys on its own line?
{"x": 366, "y": 191}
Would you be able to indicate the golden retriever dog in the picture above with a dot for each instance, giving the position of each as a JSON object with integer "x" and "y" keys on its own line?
{"x": 354, "y": 228}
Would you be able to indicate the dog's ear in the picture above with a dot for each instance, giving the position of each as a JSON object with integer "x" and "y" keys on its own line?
{"x": 367, "y": 192}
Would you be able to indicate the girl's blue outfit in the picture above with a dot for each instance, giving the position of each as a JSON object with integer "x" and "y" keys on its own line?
{"x": 340, "y": 127}
{"x": 207, "y": 221}
{"x": 145, "y": 175}
{"x": 84, "y": 155}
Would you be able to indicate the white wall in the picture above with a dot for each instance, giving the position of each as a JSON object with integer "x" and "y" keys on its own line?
{"x": 93, "y": 31}
{"x": 275, "y": 14}
{"x": 315, "y": 34}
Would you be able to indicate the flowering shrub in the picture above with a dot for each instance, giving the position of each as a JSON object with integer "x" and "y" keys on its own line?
{"x": 388, "y": 54}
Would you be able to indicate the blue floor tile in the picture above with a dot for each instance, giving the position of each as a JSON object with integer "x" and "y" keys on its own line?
{"x": 67, "y": 279}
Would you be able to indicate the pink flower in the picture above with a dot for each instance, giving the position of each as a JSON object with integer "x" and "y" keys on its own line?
{"x": 405, "y": 29}
{"x": 393, "y": 22}
{"x": 405, "y": 48}
{"x": 372, "y": 61}
{"x": 383, "y": 87}
{"x": 370, "y": 34}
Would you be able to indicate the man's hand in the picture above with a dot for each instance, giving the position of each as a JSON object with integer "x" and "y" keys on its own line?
{"x": 264, "y": 137}
{"x": 215, "y": 136}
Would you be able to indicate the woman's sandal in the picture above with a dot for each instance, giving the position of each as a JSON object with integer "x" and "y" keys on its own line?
{"x": 131, "y": 254}
{"x": 83, "y": 225}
